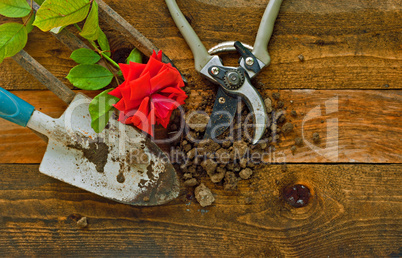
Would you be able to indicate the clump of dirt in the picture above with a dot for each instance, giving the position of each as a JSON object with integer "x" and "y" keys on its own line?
{"x": 246, "y": 173}
{"x": 276, "y": 95}
{"x": 83, "y": 222}
{"x": 198, "y": 122}
{"x": 298, "y": 141}
{"x": 316, "y": 138}
{"x": 191, "y": 182}
{"x": 204, "y": 195}
{"x": 268, "y": 105}
{"x": 287, "y": 128}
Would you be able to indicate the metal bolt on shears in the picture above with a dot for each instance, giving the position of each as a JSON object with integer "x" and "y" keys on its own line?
{"x": 234, "y": 82}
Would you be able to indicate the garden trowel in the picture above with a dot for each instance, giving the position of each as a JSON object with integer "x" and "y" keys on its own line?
{"x": 120, "y": 163}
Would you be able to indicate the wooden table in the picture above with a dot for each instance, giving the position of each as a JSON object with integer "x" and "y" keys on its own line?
{"x": 352, "y": 55}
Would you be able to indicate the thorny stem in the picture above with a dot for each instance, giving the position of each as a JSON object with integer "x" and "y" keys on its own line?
{"x": 98, "y": 50}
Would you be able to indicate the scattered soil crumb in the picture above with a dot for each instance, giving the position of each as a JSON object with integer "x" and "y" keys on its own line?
{"x": 293, "y": 149}
{"x": 301, "y": 58}
{"x": 281, "y": 104}
{"x": 82, "y": 222}
{"x": 298, "y": 141}
{"x": 316, "y": 138}
{"x": 293, "y": 113}
{"x": 287, "y": 128}
{"x": 191, "y": 182}
{"x": 204, "y": 195}
{"x": 268, "y": 105}
{"x": 198, "y": 122}
{"x": 218, "y": 176}
{"x": 276, "y": 95}
{"x": 209, "y": 166}
{"x": 226, "y": 144}
{"x": 187, "y": 176}
{"x": 230, "y": 181}
{"x": 245, "y": 173}
{"x": 284, "y": 167}
{"x": 146, "y": 199}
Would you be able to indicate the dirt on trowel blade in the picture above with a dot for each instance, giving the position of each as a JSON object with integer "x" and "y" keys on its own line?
{"x": 96, "y": 153}
{"x": 120, "y": 163}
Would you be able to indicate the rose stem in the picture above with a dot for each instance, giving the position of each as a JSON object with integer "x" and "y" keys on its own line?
{"x": 98, "y": 50}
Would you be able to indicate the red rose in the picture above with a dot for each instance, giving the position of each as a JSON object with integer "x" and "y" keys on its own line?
{"x": 149, "y": 93}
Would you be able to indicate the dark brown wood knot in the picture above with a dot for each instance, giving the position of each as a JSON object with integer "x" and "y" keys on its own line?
{"x": 297, "y": 195}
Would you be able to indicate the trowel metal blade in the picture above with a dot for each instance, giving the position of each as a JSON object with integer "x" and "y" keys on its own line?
{"x": 120, "y": 163}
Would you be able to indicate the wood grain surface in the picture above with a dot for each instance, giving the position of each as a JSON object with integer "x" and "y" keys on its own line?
{"x": 352, "y": 55}
{"x": 354, "y": 211}
{"x": 368, "y": 125}
{"x": 346, "y": 44}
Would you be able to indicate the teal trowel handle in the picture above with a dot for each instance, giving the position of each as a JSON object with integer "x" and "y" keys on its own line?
{"x": 14, "y": 109}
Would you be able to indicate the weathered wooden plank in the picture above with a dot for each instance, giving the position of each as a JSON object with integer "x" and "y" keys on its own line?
{"x": 368, "y": 126}
{"x": 347, "y": 44}
{"x": 354, "y": 211}
{"x": 354, "y": 125}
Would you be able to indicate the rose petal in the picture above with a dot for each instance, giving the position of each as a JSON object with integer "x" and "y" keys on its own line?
{"x": 125, "y": 69}
{"x": 157, "y": 56}
{"x": 116, "y": 92}
{"x": 153, "y": 67}
{"x": 123, "y": 118}
{"x": 136, "y": 70}
{"x": 165, "y": 121}
{"x": 164, "y": 102}
{"x": 140, "y": 88}
{"x": 149, "y": 94}
{"x": 140, "y": 115}
{"x": 163, "y": 79}
{"x": 121, "y": 105}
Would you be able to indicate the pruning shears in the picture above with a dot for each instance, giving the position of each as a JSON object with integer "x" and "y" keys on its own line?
{"x": 234, "y": 82}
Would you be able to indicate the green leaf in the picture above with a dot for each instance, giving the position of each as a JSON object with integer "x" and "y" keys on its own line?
{"x": 91, "y": 26}
{"x": 28, "y": 21}
{"x": 13, "y": 38}
{"x": 85, "y": 56}
{"x": 39, "y": 2}
{"x": 57, "y": 13}
{"x": 100, "y": 108}
{"x": 135, "y": 56}
{"x": 14, "y": 8}
{"x": 103, "y": 42}
{"x": 90, "y": 76}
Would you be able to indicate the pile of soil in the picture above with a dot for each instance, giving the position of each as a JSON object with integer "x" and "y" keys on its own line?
{"x": 231, "y": 157}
